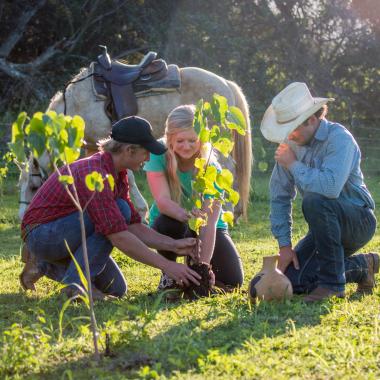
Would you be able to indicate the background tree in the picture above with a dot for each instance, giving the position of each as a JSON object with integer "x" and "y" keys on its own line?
{"x": 261, "y": 44}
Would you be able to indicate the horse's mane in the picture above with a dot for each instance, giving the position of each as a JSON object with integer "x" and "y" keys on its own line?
{"x": 56, "y": 102}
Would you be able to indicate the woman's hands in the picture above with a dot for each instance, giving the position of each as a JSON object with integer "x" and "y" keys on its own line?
{"x": 184, "y": 215}
{"x": 188, "y": 247}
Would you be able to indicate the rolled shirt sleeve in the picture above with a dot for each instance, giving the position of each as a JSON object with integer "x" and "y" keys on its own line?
{"x": 282, "y": 192}
{"x": 330, "y": 178}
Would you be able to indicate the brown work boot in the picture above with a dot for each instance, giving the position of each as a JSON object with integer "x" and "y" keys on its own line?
{"x": 366, "y": 286}
{"x": 320, "y": 294}
{"x": 31, "y": 273}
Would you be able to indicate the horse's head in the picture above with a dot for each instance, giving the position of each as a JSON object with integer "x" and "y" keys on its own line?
{"x": 31, "y": 179}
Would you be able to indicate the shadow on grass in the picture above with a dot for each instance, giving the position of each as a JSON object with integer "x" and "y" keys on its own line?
{"x": 178, "y": 347}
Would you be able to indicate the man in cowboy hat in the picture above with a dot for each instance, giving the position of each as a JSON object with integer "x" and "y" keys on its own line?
{"x": 321, "y": 160}
{"x": 51, "y": 222}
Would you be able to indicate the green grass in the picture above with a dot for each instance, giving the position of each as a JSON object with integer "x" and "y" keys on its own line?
{"x": 219, "y": 337}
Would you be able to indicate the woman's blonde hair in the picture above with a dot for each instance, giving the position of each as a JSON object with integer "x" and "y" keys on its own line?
{"x": 180, "y": 119}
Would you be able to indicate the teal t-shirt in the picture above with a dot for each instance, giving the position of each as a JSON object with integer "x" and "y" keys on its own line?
{"x": 157, "y": 163}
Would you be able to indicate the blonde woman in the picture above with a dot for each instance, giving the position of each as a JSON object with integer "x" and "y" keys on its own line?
{"x": 169, "y": 177}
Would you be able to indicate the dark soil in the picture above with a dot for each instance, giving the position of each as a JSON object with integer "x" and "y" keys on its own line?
{"x": 204, "y": 288}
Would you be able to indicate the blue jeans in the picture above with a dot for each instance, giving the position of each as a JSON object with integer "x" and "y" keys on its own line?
{"x": 47, "y": 243}
{"x": 337, "y": 229}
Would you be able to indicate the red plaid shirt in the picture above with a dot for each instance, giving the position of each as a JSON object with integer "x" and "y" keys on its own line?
{"x": 52, "y": 201}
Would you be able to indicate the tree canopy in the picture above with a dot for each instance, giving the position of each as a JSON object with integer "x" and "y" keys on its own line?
{"x": 261, "y": 44}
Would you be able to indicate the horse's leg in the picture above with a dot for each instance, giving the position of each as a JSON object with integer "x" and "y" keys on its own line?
{"x": 139, "y": 201}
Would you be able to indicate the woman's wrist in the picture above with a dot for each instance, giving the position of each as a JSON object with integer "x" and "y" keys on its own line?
{"x": 182, "y": 215}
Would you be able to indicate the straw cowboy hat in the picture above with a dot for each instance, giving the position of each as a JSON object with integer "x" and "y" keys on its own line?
{"x": 289, "y": 109}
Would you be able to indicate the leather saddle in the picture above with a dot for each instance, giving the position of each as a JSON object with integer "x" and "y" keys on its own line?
{"x": 119, "y": 82}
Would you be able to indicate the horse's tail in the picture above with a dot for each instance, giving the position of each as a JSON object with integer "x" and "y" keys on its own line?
{"x": 242, "y": 153}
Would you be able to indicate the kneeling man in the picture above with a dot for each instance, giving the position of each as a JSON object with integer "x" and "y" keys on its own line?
{"x": 321, "y": 160}
{"x": 110, "y": 220}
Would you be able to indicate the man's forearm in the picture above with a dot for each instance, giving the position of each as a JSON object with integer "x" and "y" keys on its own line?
{"x": 172, "y": 209}
{"x": 132, "y": 246}
{"x": 151, "y": 237}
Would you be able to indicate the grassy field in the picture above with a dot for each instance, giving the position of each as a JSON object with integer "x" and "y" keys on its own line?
{"x": 222, "y": 337}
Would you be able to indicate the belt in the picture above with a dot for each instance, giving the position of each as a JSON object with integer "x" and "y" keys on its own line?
{"x": 29, "y": 227}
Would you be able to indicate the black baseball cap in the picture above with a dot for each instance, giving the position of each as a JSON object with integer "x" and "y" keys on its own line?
{"x": 136, "y": 130}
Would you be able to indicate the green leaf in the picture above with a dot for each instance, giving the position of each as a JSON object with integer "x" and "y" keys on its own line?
{"x": 233, "y": 197}
{"x": 236, "y": 120}
{"x": 70, "y": 154}
{"x": 198, "y": 122}
{"x": 225, "y": 179}
{"x": 200, "y": 163}
{"x": 204, "y": 135}
{"x": 263, "y": 166}
{"x": 36, "y": 135}
{"x": 224, "y": 146}
{"x": 3, "y": 171}
{"x": 186, "y": 203}
{"x": 228, "y": 217}
{"x": 75, "y": 129}
{"x": 111, "y": 181}
{"x": 210, "y": 174}
{"x": 206, "y": 109}
{"x": 199, "y": 185}
{"x": 82, "y": 276}
{"x": 17, "y": 127}
{"x": 37, "y": 144}
{"x": 94, "y": 181}
{"x": 66, "y": 179}
{"x": 17, "y": 143}
{"x": 214, "y": 133}
{"x": 196, "y": 223}
{"x": 219, "y": 108}
{"x": 210, "y": 189}
{"x": 51, "y": 114}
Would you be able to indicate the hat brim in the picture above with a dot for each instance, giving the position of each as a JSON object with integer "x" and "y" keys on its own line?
{"x": 155, "y": 147}
{"x": 278, "y": 132}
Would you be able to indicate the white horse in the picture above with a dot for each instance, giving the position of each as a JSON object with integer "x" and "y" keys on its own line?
{"x": 30, "y": 180}
{"x": 196, "y": 83}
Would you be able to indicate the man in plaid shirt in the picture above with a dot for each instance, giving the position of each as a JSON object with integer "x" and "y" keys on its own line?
{"x": 110, "y": 220}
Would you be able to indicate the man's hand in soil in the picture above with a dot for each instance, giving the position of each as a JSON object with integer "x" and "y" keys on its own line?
{"x": 181, "y": 273}
{"x": 287, "y": 255}
{"x": 188, "y": 247}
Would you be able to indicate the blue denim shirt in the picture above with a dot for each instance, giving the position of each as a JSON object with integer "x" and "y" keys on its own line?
{"x": 329, "y": 165}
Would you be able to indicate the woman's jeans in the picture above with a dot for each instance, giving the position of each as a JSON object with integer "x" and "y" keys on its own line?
{"x": 48, "y": 243}
{"x": 337, "y": 229}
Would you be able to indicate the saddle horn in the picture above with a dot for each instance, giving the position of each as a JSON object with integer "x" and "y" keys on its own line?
{"x": 104, "y": 59}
